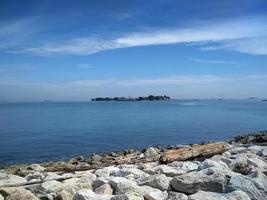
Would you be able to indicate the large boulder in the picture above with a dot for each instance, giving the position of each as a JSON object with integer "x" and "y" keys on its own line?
{"x": 203, "y": 195}
{"x": 52, "y": 186}
{"x": 176, "y": 196}
{"x": 194, "y": 181}
{"x": 121, "y": 185}
{"x": 246, "y": 184}
{"x": 152, "y": 154}
{"x": 159, "y": 181}
{"x": 90, "y": 195}
{"x": 156, "y": 195}
{"x": 104, "y": 189}
{"x": 7, "y": 180}
{"x": 17, "y": 193}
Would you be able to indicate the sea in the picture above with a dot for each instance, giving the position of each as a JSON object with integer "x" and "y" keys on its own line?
{"x": 47, "y": 131}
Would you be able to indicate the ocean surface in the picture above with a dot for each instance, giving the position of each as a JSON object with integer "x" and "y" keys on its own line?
{"x": 36, "y": 132}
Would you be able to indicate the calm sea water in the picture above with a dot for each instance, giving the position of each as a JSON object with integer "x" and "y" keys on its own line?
{"x": 34, "y": 132}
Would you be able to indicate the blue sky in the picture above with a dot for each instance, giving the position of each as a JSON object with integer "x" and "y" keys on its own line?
{"x": 75, "y": 50}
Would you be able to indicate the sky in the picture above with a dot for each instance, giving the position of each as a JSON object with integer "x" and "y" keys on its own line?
{"x": 77, "y": 50}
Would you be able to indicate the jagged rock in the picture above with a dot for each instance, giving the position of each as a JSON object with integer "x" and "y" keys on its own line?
{"x": 52, "y": 186}
{"x": 258, "y": 163}
{"x": 176, "y": 196}
{"x": 151, "y": 154}
{"x": 134, "y": 172}
{"x": 7, "y": 180}
{"x": 104, "y": 189}
{"x": 36, "y": 167}
{"x": 156, "y": 195}
{"x": 167, "y": 170}
{"x": 35, "y": 176}
{"x": 17, "y": 193}
{"x": 159, "y": 181}
{"x": 122, "y": 185}
{"x": 105, "y": 172}
{"x": 128, "y": 196}
{"x": 90, "y": 195}
{"x": 206, "y": 150}
{"x": 203, "y": 195}
{"x": 195, "y": 181}
{"x": 246, "y": 184}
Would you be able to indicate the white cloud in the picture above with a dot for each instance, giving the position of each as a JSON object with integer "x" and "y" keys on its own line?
{"x": 254, "y": 46}
{"x": 214, "y": 62}
{"x": 229, "y": 31}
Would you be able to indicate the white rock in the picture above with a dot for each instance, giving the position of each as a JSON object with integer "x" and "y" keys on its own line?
{"x": 194, "y": 181}
{"x": 17, "y": 193}
{"x": 122, "y": 185}
{"x": 159, "y": 181}
{"x": 157, "y": 195}
{"x": 1, "y": 197}
{"x": 258, "y": 163}
{"x": 210, "y": 163}
{"x": 104, "y": 189}
{"x": 52, "y": 186}
{"x": 128, "y": 196}
{"x": 246, "y": 184}
{"x": 236, "y": 195}
{"x": 90, "y": 195}
{"x": 167, "y": 170}
{"x": 176, "y": 196}
{"x": 151, "y": 154}
{"x": 189, "y": 166}
{"x": 134, "y": 172}
{"x": 11, "y": 180}
{"x": 37, "y": 167}
{"x": 106, "y": 171}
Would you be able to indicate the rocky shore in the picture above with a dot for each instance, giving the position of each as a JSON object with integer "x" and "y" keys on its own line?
{"x": 232, "y": 170}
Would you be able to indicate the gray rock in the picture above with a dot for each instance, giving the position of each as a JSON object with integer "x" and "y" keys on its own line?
{"x": 90, "y": 195}
{"x": 156, "y": 195}
{"x": 17, "y": 193}
{"x": 176, "y": 196}
{"x": 236, "y": 195}
{"x": 122, "y": 185}
{"x": 7, "y": 180}
{"x": 36, "y": 167}
{"x": 1, "y": 197}
{"x": 151, "y": 154}
{"x": 129, "y": 172}
{"x": 246, "y": 184}
{"x": 52, "y": 186}
{"x": 159, "y": 181}
{"x": 128, "y": 196}
{"x": 167, "y": 170}
{"x": 106, "y": 171}
{"x": 104, "y": 189}
{"x": 195, "y": 181}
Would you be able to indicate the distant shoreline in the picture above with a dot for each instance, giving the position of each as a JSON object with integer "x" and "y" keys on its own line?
{"x": 148, "y": 98}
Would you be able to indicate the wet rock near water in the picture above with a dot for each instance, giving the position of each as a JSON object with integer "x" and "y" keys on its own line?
{"x": 226, "y": 171}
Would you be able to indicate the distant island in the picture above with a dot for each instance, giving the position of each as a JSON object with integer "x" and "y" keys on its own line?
{"x": 148, "y": 98}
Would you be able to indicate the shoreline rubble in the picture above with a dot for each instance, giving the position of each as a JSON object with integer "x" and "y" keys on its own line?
{"x": 232, "y": 170}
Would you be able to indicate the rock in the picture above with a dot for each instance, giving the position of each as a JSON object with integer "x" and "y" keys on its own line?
{"x": 128, "y": 196}
{"x": 36, "y": 167}
{"x": 105, "y": 172}
{"x": 17, "y": 193}
{"x": 167, "y": 170}
{"x": 134, "y": 172}
{"x": 176, "y": 196}
{"x": 236, "y": 195}
{"x": 35, "y": 176}
{"x": 96, "y": 158}
{"x": 1, "y": 197}
{"x": 246, "y": 184}
{"x": 121, "y": 185}
{"x": 242, "y": 168}
{"x": 206, "y": 150}
{"x": 258, "y": 163}
{"x": 157, "y": 195}
{"x": 104, "y": 189}
{"x": 71, "y": 186}
{"x": 195, "y": 181}
{"x": 207, "y": 163}
{"x": 90, "y": 195}
{"x": 151, "y": 154}
{"x": 8, "y": 180}
{"x": 98, "y": 182}
{"x": 189, "y": 166}
{"x": 52, "y": 186}
{"x": 159, "y": 181}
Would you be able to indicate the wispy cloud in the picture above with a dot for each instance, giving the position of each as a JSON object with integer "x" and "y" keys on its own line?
{"x": 233, "y": 35}
{"x": 214, "y": 62}
{"x": 170, "y": 80}
{"x": 246, "y": 35}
